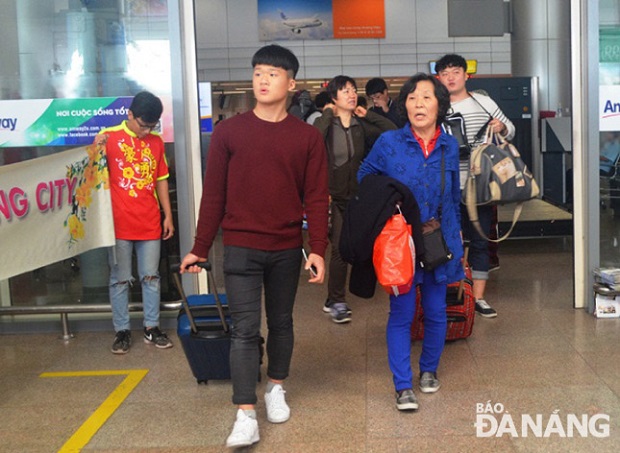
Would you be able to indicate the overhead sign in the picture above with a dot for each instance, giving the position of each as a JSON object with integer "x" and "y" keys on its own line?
{"x": 320, "y": 19}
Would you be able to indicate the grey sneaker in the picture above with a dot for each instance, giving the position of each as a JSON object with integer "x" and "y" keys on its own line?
{"x": 277, "y": 409}
{"x": 340, "y": 313}
{"x": 406, "y": 400}
{"x": 429, "y": 382}
{"x": 484, "y": 309}
{"x": 157, "y": 337}
{"x": 122, "y": 342}
{"x": 244, "y": 432}
{"x": 327, "y": 307}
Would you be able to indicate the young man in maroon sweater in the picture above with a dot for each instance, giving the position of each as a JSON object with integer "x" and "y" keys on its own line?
{"x": 264, "y": 169}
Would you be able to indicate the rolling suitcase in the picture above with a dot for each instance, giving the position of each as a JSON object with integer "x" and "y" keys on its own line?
{"x": 460, "y": 309}
{"x": 204, "y": 330}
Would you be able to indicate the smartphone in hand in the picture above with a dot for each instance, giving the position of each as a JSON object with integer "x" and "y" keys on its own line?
{"x": 313, "y": 270}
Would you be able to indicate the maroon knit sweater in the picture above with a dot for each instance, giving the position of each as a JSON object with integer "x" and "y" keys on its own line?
{"x": 260, "y": 178}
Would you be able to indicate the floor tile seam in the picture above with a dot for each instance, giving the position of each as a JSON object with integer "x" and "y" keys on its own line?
{"x": 596, "y": 373}
{"x": 570, "y": 340}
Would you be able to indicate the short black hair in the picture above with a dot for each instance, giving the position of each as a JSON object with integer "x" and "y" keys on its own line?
{"x": 338, "y": 83}
{"x": 441, "y": 93}
{"x": 376, "y": 85}
{"x": 450, "y": 60}
{"x": 147, "y": 106}
{"x": 322, "y": 99}
{"x": 277, "y": 56}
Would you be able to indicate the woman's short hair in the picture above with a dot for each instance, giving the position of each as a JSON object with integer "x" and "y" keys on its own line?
{"x": 338, "y": 83}
{"x": 441, "y": 93}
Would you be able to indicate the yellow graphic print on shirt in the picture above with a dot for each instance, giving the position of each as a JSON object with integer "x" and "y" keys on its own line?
{"x": 137, "y": 168}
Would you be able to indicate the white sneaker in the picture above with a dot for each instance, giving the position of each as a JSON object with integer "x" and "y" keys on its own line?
{"x": 277, "y": 409}
{"x": 244, "y": 433}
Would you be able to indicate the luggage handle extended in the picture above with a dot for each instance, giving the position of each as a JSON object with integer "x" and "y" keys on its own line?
{"x": 459, "y": 293}
{"x": 175, "y": 268}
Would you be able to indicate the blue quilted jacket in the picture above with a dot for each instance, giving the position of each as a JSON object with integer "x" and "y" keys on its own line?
{"x": 399, "y": 155}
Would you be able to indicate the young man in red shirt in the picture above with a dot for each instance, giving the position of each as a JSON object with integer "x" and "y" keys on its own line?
{"x": 139, "y": 188}
{"x": 265, "y": 168}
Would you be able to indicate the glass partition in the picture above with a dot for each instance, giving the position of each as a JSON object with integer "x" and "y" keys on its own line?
{"x": 609, "y": 132}
{"x": 80, "y": 51}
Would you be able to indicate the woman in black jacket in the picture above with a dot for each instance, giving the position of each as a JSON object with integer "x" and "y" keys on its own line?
{"x": 349, "y": 132}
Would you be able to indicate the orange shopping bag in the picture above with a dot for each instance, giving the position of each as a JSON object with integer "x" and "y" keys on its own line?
{"x": 394, "y": 255}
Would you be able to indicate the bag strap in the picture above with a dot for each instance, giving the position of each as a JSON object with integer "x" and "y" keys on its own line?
{"x": 443, "y": 184}
{"x": 484, "y": 129}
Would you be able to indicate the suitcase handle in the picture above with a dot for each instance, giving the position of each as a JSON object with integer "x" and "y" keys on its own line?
{"x": 175, "y": 268}
{"x": 459, "y": 294}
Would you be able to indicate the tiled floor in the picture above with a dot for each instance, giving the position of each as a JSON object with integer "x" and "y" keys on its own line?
{"x": 539, "y": 357}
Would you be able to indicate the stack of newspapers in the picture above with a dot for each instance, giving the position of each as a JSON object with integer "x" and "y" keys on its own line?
{"x": 608, "y": 276}
{"x": 607, "y": 292}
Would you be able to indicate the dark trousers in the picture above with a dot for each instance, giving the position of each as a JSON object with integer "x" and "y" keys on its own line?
{"x": 338, "y": 268}
{"x": 247, "y": 272}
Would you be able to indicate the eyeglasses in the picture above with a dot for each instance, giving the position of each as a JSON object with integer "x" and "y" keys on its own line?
{"x": 146, "y": 127}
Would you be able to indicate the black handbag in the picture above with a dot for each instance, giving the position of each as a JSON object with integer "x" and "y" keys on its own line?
{"x": 436, "y": 251}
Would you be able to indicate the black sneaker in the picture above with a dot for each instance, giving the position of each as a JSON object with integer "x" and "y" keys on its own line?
{"x": 406, "y": 400}
{"x": 157, "y": 337}
{"x": 484, "y": 309}
{"x": 122, "y": 342}
{"x": 429, "y": 382}
{"x": 327, "y": 307}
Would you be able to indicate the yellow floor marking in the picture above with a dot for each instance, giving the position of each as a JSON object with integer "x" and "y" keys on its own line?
{"x": 90, "y": 427}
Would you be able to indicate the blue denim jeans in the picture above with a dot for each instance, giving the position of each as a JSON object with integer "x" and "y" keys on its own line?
{"x": 119, "y": 258}
{"x": 246, "y": 272}
{"x": 398, "y": 331}
{"x": 478, "y": 246}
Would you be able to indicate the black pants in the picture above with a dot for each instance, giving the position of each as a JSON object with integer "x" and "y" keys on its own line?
{"x": 246, "y": 272}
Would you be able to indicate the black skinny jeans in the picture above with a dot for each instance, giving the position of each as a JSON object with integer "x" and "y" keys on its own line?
{"x": 246, "y": 272}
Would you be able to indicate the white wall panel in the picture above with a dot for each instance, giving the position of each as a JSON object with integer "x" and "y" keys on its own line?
{"x": 468, "y": 50}
{"x": 211, "y": 26}
{"x": 431, "y": 21}
{"x": 416, "y": 32}
{"x": 400, "y": 21}
{"x": 243, "y": 22}
{"x": 501, "y": 68}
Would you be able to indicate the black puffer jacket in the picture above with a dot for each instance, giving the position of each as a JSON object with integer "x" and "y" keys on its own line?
{"x": 364, "y": 219}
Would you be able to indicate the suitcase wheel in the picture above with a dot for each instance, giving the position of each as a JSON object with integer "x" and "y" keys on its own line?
{"x": 202, "y": 381}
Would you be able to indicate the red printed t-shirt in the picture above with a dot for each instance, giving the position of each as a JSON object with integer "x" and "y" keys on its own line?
{"x": 135, "y": 165}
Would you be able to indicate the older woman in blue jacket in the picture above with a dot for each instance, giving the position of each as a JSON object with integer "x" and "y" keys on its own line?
{"x": 413, "y": 155}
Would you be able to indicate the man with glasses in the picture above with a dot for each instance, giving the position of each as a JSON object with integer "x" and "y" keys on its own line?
{"x": 139, "y": 189}
{"x": 377, "y": 91}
